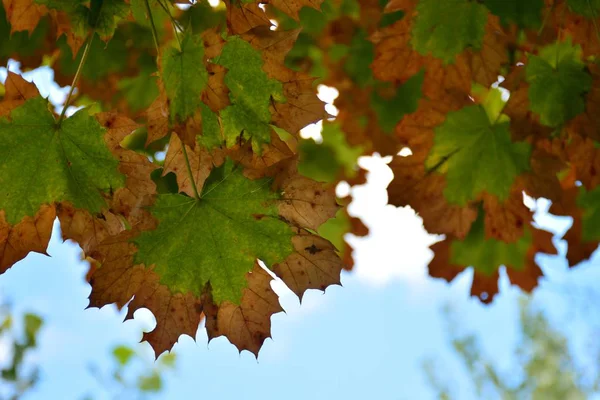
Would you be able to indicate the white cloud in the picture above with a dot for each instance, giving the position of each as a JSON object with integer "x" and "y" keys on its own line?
{"x": 397, "y": 246}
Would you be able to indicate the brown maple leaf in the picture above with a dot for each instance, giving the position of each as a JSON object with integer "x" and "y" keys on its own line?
{"x": 582, "y": 30}
{"x": 23, "y": 15}
{"x": 314, "y": 265}
{"x": 292, "y": 7}
{"x": 31, "y": 233}
{"x": 566, "y": 204}
{"x": 117, "y": 280}
{"x": 242, "y": 17}
{"x": 131, "y": 200}
{"x": 359, "y": 122}
{"x": 486, "y": 63}
{"x": 157, "y": 117}
{"x": 584, "y": 155}
{"x": 505, "y": 220}
{"x": 17, "y": 91}
{"x": 201, "y": 162}
{"x": 248, "y": 324}
{"x": 271, "y": 153}
{"x": 485, "y": 286}
{"x": 413, "y": 186}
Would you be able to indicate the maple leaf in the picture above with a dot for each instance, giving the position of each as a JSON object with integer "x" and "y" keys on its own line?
{"x": 71, "y": 161}
{"x": 506, "y": 220}
{"x": 396, "y": 60}
{"x": 184, "y": 76}
{"x": 487, "y": 255}
{"x": 117, "y": 280}
{"x": 424, "y": 192}
{"x": 579, "y": 249}
{"x": 102, "y": 15}
{"x": 271, "y": 154}
{"x": 446, "y": 29}
{"x": 330, "y": 160}
{"x": 301, "y": 106}
{"x": 248, "y": 323}
{"x": 200, "y": 164}
{"x": 391, "y": 110}
{"x": 23, "y": 15}
{"x": 131, "y": 200}
{"x": 251, "y": 92}
{"x": 30, "y": 234}
{"x": 246, "y": 215}
{"x": 158, "y": 116}
{"x": 226, "y": 228}
{"x": 16, "y": 91}
{"x": 77, "y": 142}
{"x": 414, "y": 184}
{"x": 292, "y": 7}
{"x": 243, "y": 16}
{"x": 557, "y": 83}
{"x": 477, "y": 155}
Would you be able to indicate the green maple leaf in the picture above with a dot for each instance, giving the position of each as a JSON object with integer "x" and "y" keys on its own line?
{"x": 405, "y": 101}
{"x": 105, "y": 15}
{"x": 325, "y": 162}
{"x": 102, "y": 15}
{"x": 211, "y": 130}
{"x": 526, "y": 14}
{"x": 361, "y": 55}
{"x": 589, "y": 201}
{"x": 477, "y": 155}
{"x": 487, "y": 255}
{"x": 184, "y": 76}
{"x": 41, "y": 163}
{"x": 76, "y": 10}
{"x": 587, "y": 8}
{"x": 558, "y": 81}
{"x": 446, "y": 28}
{"x": 218, "y": 237}
{"x": 336, "y": 228}
{"x": 251, "y": 93}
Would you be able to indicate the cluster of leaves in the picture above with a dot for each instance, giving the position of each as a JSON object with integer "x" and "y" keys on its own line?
{"x": 15, "y": 377}
{"x": 133, "y": 375}
{"x": 491, "y": 99}
{"x": 188, "y": 186}
{"x": 547, "y": 367}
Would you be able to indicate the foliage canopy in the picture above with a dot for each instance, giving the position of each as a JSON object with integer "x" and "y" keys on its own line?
{"x": 188, "y": 185}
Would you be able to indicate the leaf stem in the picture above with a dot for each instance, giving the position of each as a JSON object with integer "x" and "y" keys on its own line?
{"x": 174, "y": 22}
{"x": 154, "y": 32}
{"x": 155, "y": 36}
{"x": 593, "y": 12}
{"x": 189, "y": 169}
{"x": 86, "y": 52}
{"x": 546, "y": 18}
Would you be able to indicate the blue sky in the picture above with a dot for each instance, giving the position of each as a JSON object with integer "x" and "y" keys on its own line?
{"x": 366, "y": 339}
